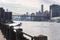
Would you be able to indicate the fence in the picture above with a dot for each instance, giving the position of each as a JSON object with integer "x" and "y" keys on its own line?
{"x": 10, "y": 34}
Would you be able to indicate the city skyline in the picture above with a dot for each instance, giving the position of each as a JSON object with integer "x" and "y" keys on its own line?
{"x": 23, "y": 6}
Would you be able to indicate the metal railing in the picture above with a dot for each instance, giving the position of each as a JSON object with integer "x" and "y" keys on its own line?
{"x": 28, "y": 35}
{"x": 9, "y": 33}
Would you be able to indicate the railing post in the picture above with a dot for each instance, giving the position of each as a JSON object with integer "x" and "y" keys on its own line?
{"x": 19, "y": 34}
{"x": 31, "y": 38}
{"x": 12, "y": 34}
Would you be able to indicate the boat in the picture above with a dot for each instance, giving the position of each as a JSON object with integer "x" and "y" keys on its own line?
{"x": 55, "y": 19}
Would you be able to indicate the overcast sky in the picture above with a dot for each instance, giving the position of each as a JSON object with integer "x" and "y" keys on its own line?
{"x": 22, "y": 6}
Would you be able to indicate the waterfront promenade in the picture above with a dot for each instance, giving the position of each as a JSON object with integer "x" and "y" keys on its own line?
{"x": 1, "y": 36}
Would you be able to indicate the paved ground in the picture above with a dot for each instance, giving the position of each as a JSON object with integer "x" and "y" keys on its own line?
{"x": 1, "y": 36}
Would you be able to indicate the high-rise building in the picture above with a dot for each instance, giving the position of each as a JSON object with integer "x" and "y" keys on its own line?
{"x": 5, "y": 16}
{"x": 42, "y": 8}
{"x": 55, "y": 10}
{"x": 8, "y": 16}
{"x": 1, "y": 13}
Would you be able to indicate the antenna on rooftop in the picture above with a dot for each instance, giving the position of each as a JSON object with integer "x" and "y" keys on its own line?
{"x": 6, "y": 10}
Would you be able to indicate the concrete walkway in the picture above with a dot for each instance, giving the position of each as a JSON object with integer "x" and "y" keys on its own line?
{"x": 1, "y": 36}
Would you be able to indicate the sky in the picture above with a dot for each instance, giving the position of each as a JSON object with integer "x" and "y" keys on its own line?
{"x": 23, "y": 6}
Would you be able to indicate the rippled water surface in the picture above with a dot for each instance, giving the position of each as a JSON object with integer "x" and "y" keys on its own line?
{"x": 50, "y": 29}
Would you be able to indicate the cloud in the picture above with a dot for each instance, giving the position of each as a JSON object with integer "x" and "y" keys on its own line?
{"x": 31, "y": 3}
{"x": 57, "y": 1}
{"x": 16, "y": 8}
{"x": 27, "y": 5}
{"x": 48, "y": 1}
{"x": 51, "y": 2}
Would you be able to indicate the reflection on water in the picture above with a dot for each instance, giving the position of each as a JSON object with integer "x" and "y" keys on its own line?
{"x": 50, "y": 29}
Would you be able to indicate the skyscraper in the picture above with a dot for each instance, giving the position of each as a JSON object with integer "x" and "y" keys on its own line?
{"x": 55, "y": 10}
{"x": 42, "y": 8}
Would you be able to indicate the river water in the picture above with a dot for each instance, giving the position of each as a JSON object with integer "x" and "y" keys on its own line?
{"x": 36, "y": 28}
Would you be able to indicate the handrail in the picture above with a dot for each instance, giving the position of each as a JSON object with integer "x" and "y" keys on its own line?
{"x": 21, "y": 32}
{"x": 28, "y": 35}
{"x": 10, "y": 34}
